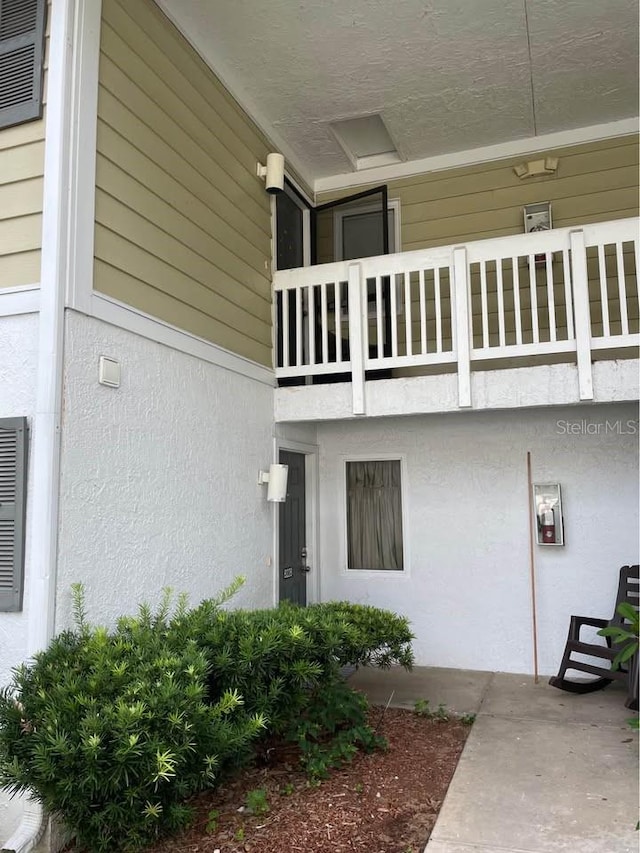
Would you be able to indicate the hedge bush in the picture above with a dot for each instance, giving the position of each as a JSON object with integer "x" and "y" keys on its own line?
{"x": 277, "y": 659}
{"x": 286, "y": 662}
{"x": 113, "y": 731}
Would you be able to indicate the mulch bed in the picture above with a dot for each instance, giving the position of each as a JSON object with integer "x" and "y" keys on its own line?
{"x": 385, "y": 802}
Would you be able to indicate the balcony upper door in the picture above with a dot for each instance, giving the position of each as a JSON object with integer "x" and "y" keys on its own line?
{"x": 356, "y": 226}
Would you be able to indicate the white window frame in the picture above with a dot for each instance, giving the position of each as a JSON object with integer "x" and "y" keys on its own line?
{"x": 404, "y": 572}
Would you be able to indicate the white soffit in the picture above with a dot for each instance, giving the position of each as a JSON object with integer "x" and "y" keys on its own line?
{"x": 445, "y": 76}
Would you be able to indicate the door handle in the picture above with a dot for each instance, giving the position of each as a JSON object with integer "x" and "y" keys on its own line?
{"x": 303, "y": 554}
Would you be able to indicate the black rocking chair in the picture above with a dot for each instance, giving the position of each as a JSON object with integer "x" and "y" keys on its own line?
{"x": 628, "y": 590}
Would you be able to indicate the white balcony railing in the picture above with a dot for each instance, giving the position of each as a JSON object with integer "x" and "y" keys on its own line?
{"x": 562, "y": 291}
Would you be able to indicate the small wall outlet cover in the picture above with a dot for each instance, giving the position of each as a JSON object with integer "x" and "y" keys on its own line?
{"x": 109, "y": 372}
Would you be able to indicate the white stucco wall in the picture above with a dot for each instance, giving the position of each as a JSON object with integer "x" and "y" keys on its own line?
{"x": 18, "y": 361}
{"x": 467, "y": 585}
{"x": 302, "y": 433}
{"x": 159, "y": 482}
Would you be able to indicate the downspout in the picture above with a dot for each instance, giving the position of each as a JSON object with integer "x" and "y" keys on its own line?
{"x": 30, "y": 831}
{"x": 47, "y": 418}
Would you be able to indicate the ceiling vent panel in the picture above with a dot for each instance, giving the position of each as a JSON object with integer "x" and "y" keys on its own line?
{"x": 366, "y": 141}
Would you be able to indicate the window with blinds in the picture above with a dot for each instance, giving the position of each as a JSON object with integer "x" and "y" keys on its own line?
{"x": 22, "y": 28}
{"x": 13, "y": 503}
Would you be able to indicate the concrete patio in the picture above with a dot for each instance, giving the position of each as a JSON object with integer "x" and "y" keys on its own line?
{"x": 542, "y": 770}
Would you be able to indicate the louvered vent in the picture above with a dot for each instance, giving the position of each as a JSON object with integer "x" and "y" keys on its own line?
{"x": 21, "y": 60}
{"x": 8, "y": 465}
{"x": 16, "y": 77}
{"x": 7, "y": 548}
{"x": 17, "y": 18}
{"x": 13, "y": 471}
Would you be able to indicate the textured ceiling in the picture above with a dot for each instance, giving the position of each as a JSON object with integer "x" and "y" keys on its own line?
{"x": 446, "y": 75}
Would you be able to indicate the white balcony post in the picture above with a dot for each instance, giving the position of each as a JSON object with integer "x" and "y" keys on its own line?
{"x": 582, "y": 316}
{"x": 357, "y": 318}
{"x": 462, "y": 329}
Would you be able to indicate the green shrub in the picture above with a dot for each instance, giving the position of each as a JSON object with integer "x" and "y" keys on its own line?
{"x": 283, "y": 659}
{"x": 423, "y": 709}
{"x": 368, "y": 636}
{"x": 333, "y": 728}
{"x": 112, "y": 731}
{"x": 624, "y": 635}
{"x": 257, "y": 802}
{"x": 263, "y": 655}
{"x": 286, "y": 662}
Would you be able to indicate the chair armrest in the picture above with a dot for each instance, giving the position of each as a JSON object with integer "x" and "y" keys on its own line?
{"x": 577, "y": 622}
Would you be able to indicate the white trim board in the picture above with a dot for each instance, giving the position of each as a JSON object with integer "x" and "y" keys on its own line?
{"x": 64, "y": 46}
{"x": 471, "y": 157}
{"x": 83, "y": 154}
{"x": 19, "y": 300}
{"x": 124, "y": 316}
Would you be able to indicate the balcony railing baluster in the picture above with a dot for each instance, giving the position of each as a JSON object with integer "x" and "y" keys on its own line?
{"x": 464, "y": 305}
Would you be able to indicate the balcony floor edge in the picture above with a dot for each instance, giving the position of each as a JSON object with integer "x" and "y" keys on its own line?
{"x": 514, "y": 388}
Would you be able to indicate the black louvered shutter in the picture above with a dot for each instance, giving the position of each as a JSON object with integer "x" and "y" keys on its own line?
{"x": 13, "y": 499}
{"x": 21, "y": 60}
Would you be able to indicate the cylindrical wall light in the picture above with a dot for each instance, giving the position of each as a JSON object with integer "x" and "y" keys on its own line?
{"x": 276, "y": 477}
{"x": 273, "y": 173}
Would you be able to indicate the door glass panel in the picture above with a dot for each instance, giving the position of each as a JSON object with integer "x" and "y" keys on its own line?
{"x": 362, "y": 236}
{"x": 289, "y": 254}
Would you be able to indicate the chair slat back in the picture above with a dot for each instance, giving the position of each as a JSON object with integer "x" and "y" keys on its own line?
{"x": 628, "y": 591}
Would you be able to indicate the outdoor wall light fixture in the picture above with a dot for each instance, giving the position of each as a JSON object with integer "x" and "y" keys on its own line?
{"x": 537, "y": 168}
{"x": 276, "y": 477}
{"x": 273, "y": 173}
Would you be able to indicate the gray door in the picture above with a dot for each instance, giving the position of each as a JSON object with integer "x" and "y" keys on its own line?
{"x": 292, "y": 568}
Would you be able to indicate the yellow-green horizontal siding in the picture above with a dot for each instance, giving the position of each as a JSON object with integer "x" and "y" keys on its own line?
{"x": 594, "y": 182}
{"x": 21, "y": 182}
{"x": 183, "y": 227}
